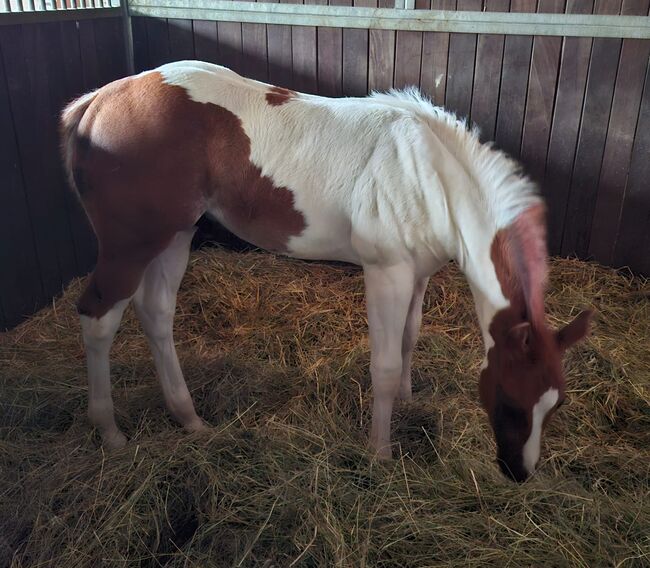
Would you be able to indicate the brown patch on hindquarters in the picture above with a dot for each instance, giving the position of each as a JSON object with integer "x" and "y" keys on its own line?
{"x": 152, "y": 162}
{"x": 277, "y": 96}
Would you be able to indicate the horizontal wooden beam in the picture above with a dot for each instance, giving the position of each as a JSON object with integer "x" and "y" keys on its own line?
{"x": 40, "y": 16}
{"x": 508, "y": 23}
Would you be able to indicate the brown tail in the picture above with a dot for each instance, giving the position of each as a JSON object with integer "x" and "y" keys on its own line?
{"x": 70, "y": 119}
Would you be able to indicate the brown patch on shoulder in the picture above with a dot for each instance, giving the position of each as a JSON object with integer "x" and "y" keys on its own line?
{"x": 154, "y": 161}
{"x": 277, "y": 96}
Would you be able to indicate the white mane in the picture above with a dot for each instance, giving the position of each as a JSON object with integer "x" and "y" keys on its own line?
{"x": 498, "y": 178}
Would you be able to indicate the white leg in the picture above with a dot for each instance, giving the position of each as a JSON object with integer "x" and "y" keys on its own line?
{"x": 155, "y": 304}
{"x": 98, "y": 334}
{"x": 388, "y": 295}
{"x": 411, "y": 331}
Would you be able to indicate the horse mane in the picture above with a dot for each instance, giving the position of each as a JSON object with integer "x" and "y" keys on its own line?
{"x": 509, "y": 196}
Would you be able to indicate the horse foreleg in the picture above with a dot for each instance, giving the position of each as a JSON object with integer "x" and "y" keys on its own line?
{"x": 388, "y": 295}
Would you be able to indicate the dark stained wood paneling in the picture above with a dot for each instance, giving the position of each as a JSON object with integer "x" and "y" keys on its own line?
{"x": 85, "y": 244}
{"x": 544, "y": 66}
{"x": 435, "y": 57}
{"x": 140, "y": 44}
{"x": 460, "y": 70}
{"x": 487, "y": 76}
{"x": 280, "y": 55}
{"x": 564, "y": 129}
{"x": 514, "y": 84}
{"x": 181, "y": 39}
{"x": 305, "y": 68}
{"x": 408, "y": 54}
{"x": 158, "y": 41}
{"x": 591, "y": 141}
{"x": 634, "y": 230}
{"x": 206, "y": 44}
{"x": 381, "y": 57}
{"x": 620, "y": 136}
{"x": 20, "y": 281}
{"x": 255, "y": 51}
{"x": 355, "y": 58}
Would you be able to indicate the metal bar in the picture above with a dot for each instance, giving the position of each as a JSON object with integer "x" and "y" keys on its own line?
{"x": 127, "y": 30}
{"x": 512, "y": 23}
{"x": 30, "y": 5}
{"x": 58, "y": 15}
{"x": 6, "y": 6}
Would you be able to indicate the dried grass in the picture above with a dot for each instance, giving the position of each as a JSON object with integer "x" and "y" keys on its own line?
{"x": 276, "y": 354}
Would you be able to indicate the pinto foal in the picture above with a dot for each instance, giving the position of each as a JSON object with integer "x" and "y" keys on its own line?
{"x": 388, "y": 182}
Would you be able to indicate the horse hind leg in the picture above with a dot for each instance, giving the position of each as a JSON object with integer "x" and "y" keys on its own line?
{"x": 101, "y": 306}
{"x": 155, "y": 305}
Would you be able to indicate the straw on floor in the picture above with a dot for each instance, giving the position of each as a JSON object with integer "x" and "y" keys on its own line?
{"x": 276, "y": 355}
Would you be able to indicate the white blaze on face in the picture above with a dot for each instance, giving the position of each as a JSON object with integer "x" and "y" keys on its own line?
{"x": 532, "y": 446}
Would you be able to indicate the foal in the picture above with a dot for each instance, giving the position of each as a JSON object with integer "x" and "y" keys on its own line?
{"x": 388, "y": 182}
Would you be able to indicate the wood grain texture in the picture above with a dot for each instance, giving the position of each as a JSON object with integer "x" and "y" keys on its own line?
{"x": 355, "y": 59}
{"x": 542, "y": 82}
{"x": 140, "y": 44}
{"x": 181, "y": 39}
{"x": 408, "y": 54}
{"x": 280, "y": 67}
{"x": 620, "y": 137}
{"x": 591, "y": 141}
{"x": 206, "y": 42}
{"x": 158, "y": 41}
{"x": 21, "y": 290}
{"x": 254, "y": 51}
{"x": 514, "y": 85}
{"x": 305, "y": 67}
{"x": 460, "y": 69}
{"x": 381, "y": 57}
{"x": 634, "y": 228}
{"x": 564, "y": 129}
{"x": 487, "y": 76}
{"x": 435, "y": 57}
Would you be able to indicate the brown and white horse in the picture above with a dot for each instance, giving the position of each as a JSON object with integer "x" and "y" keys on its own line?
{"x": 389, "y": 182}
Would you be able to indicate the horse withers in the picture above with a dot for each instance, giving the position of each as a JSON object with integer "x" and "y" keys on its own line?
{"x": 389, "y": 182}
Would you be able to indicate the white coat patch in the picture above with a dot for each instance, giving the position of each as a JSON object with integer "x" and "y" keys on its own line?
{"x": 533, "y": 445}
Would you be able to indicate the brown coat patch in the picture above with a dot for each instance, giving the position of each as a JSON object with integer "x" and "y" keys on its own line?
{"x": 150, "y": 162}
{"x": 277, "y": 96}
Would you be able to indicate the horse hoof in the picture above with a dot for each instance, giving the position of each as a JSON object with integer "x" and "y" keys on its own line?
{"x": 196, "y": 425}
{"x": 115, "y": 441}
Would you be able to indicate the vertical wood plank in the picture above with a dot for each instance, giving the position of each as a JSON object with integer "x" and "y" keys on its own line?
{"x": 181, "y": 39}
{"x": 158, "y": 41}
{"x": 140, "y": 47}
{"x": 254, "y": 51}
{"x": 487, "y": 76}
{"x": 303, "y": 48}
{"x": 514, "y": 83}
{"x": 634, "y": 232}
{"x": 620, "y": 136}
{"x": 381, "y": 56}
{"x": 460, "y": 70}
{"x": 20, "y": 283}
{"x": 355, "y": 59}
{"x": 206, "y": 45}
{"x": 279, "y": 54}
{"x": 408, "y": 53}
{"x": 28, "y": 90}
{"x": 564, "y": 129}
{"x": 541, "y": 96}
{"x": 89, "y": 63}
{"x": 435, "y": 57}
{"x": 83, "y": 236}
{"x": 330, "y": 60}
{"x": 51, "y": 48}
{"x": 109, "y": 43}
{"x": 591, "y": 141}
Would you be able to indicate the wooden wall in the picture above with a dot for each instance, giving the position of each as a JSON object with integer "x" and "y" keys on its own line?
{"x": 574, "y": 110}
{"x": 44, "y": 237}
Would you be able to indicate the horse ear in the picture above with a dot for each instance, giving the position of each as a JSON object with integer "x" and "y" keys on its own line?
{"x": 519, "y": 335}
{"x": 573, "y": 332}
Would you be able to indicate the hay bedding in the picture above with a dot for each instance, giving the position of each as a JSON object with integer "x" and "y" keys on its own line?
{"x": 275, "y": 352}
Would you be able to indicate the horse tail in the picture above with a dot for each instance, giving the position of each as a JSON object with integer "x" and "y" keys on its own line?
{"x": 70, "y": 140}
